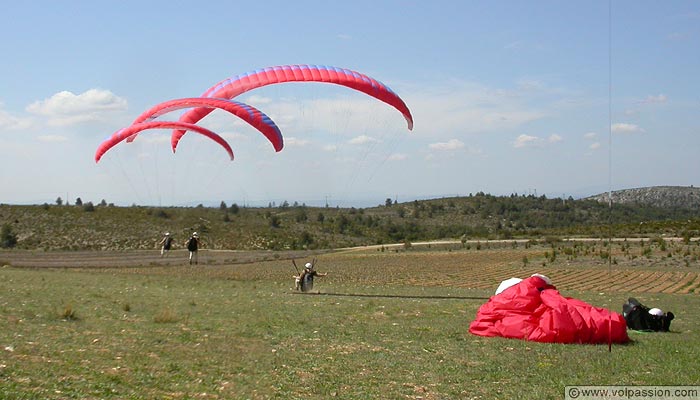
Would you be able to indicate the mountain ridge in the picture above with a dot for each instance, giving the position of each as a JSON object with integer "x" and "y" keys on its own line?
{"x": 686, "y": 197}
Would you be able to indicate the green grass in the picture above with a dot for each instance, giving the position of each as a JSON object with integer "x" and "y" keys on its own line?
{"x": 238, "y": 331}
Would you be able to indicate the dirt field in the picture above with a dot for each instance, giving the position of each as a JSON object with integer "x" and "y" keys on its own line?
{"x": 447, "y": 264}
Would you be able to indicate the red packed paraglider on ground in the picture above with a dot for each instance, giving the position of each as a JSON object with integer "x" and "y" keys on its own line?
{"x": 533, "y": 309}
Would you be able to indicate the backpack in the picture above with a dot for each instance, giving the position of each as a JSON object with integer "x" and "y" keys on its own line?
{"x": 307, "y": 281}
{"x": 638, "y": 318}
{"x": 192, "y": 244}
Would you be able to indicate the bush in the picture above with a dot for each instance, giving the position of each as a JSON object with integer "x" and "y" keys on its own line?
{"x": 166, "y": 316}
{"x": 7, "y": 238}
{"x": 68, "y": 313}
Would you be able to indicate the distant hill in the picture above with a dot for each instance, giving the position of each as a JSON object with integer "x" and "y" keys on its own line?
{"x": 683, "y": 197}
{"x": 667, "y": 211}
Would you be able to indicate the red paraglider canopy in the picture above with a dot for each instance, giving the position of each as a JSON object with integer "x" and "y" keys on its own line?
{"x": 236, "y": 85}
{"x": 124, "y": 133}
{"x": 219, "y": 97}
{"x": 247, "y": 113}
{"x": 535, "y": 310}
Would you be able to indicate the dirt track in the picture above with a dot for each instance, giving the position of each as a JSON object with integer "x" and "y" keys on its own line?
{"x": 137, "y": 258}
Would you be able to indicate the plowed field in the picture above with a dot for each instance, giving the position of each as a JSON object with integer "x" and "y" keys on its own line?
{"x": 445, "y": 265}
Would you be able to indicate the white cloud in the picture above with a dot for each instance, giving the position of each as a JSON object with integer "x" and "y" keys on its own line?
{"x": 526, "y": 141}
{"x": 66, "y": 108}
{"x": 535, "y": 141}
{"x": 398, "y": 157}
{"x": 651, "y": 99}
{"x": 52, "y": 138}
{"x": 295, "y": 142}
{"x": 330, "y": 147}
{"x": 530, "y": 84}
{"x": 363, "y": 139}
{"x": 8, "y": 121}
{"x": 622, "y": 127}
{"x": 590, "y": 135}
{"x": 255, "y": 100}
{"x": 233, "y": 136}
{"x": 157, "y": 137}
{"x": 594, "y": 146}
{"x": 450, "y": 145}
{"x": 466, "y": 108}
{"x": 514, "y": 45}
{"x": 344, "y": 36}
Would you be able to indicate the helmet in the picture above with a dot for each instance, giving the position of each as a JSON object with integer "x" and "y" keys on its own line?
{"x": 167, "y": 233}
{"x": 657, "y": 312}
{"x": 309, "y": 265}
{"x": 544, "y": 278}
{"x": 195, "y": 234}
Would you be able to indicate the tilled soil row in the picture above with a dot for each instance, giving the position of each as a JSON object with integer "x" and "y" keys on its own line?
{"x": 483, "y": 269}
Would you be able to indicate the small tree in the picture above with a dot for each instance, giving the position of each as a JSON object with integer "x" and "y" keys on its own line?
{"x": 301, "y": 215}
{"x": 59, "y": 201}
{"x": 89, "y": 207}
{"x": 222, "y": 206}
{"x": 78, "y": 202}
{"x": 7, "y": 237}
{"x": 305, "y": 239}
{"x": 234, "y": 208}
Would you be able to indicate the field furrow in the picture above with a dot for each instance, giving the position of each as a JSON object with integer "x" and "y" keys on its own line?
{"x": 685, "y": 280}
{"x": 380, "y": 266}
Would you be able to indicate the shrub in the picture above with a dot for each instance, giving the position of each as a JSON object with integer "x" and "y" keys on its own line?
{"x": 8, "y": 238}
{"x": 165, "y": 316}
{"x": 234, "y": 208}
{"x": 68, "y": 313}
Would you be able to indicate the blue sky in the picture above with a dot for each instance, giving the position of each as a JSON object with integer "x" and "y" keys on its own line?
{"x": 528, "y": 97}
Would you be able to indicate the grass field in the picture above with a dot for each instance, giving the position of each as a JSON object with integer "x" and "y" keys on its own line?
{"x": 385, "y": 323}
